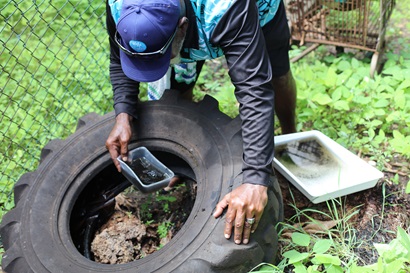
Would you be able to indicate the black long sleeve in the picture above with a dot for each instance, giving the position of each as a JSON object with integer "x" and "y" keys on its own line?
{"x": 125, "y": 90}
{"x": 240, "y": 36}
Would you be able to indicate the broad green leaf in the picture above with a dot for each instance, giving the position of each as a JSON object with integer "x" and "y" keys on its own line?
{"x": 331, "y": 77}
{"x": 322, "y": 99}
{"x": 397, "y": 135}
{"x": 371, "y": 133}
{"x": 408, "y": 187}
{"x": 355, "y": 63}
{"x": 391, "y": 252}
{"x": 400, "y": 99}
{"x": 368, "y": 114}
{"x": 381, "y": 137}
{"x": 322, "y": 246}
{"x": 337, "y": 94}
{"x": 343, "y": 65}
{"x": 375, "y": 123}
{"x": 326, "y": 259}
{"x": 379, "y": 112}
{"x": 386, "y": 88}
{"x": 401, "y": 144}
{"x": 341, "y": 105}
{"x": 295, "y": 256}
{"x": 333, "y": 269}
{"x": 404, "y": 238}
{"x": 299, "y": 268}
{"x": 393, "y": 116}
{"x": 362, "y": 100}
{"x": 313, "y": 269}
{"x": 392, "y": 70}
{"x": 352, "y": 83}
{"x": 395, "y": 266}
{"x": 345, "y": 91}
{"x": 343, "y": 77}
{"x": 361, "y": 269}
{"x": 301, "y": 239}
{"x": 404, "y": 85}
{"x": 381, "y": 103}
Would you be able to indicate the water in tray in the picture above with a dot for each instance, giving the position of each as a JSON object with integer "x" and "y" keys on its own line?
{"x": 311, "y": 163}
{"x": 145, "y": 171}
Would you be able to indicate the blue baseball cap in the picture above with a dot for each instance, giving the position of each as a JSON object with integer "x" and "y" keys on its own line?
{"x": 146, "y": 29}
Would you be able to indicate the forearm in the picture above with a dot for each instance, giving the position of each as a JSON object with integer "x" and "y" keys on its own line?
{"x": 125, "y": 90}
{"x": 241, "y": 38}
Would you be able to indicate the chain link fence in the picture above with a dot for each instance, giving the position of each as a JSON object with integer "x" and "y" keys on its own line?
{"x": 54, "y": 69}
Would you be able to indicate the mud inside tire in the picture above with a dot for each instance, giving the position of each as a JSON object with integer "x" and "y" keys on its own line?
{"x": 37, "y": 233}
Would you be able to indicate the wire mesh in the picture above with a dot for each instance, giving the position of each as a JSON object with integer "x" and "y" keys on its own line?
{"x": 348, "y": 23}
{"x": 54, "y": 69}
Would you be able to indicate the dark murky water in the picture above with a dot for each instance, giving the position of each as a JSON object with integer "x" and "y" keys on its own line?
{"x": 145, "y": 171}
{"x": 310, "y": 162}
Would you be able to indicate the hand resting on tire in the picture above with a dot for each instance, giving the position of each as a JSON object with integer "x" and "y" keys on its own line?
{"x": 246, "y": 201}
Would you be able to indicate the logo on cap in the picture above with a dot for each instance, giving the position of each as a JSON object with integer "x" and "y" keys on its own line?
{"x": 138, "y": 46}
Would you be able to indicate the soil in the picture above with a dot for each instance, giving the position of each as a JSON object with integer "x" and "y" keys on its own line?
{"x": 142, "y": 223}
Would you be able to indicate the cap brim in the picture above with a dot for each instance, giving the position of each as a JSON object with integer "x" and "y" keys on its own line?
{"x": 145, "y": 69}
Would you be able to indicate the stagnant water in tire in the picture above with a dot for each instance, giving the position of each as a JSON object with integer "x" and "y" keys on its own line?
{"x": 142, "y": 223}
{"x": 130, "y": 225}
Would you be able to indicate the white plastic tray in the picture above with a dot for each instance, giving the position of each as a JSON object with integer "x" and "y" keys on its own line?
{"x": 338, "y": 173}
{"x": 149, "y": 164}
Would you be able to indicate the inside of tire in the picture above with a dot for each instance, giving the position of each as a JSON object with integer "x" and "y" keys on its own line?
{"x": 113, "y": 223}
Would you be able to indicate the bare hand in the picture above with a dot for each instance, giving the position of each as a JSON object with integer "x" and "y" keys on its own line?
{"x": 117, "y": 142}
{"x": 246, "y": 201}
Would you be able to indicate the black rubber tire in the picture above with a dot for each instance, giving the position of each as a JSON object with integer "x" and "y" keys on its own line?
{"x": 36, "y": 233}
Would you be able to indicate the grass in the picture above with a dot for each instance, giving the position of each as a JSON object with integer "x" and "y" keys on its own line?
{"x": 54, "y": 70}
{"x": 54, "y": 63}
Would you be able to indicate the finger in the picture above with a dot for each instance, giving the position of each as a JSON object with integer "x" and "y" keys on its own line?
{"x": 174, "y": 180}
{"x": 255, "y": 224}
{"x": 229, "y": 222}
{"x": 114, "y": 154}
{"x": 246, "y": 230}
{"x": 223, "y": 204}
{"x": 113, "y": 150}
{"x": 239, "y": 225}
{"x": 124, "y": 150}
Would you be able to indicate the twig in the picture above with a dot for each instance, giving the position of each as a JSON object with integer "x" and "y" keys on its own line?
{"x": 396, "y": 171}
{"x": 304, "y": 53}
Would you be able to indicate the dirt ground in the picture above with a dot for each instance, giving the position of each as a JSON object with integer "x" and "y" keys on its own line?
{"x": 142, "y": 223}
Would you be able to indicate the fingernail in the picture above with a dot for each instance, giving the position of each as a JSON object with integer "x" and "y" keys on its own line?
{"x": 227, "y": 236}
{"x": 245, "y": 241}
{"x": 252, "y": 231}
{"x": 125, "y": 159}
{"x": 237, "y": 242}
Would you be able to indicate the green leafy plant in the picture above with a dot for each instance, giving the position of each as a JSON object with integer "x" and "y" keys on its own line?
{"x": 393, "y": 257}
{"x": 165, "y": 201}
{"x": 316, "y": 255}
{"x": 163, "y": 229}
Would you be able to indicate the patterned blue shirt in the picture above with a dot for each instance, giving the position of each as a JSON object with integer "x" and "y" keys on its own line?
{"x": 208, "y": 14}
